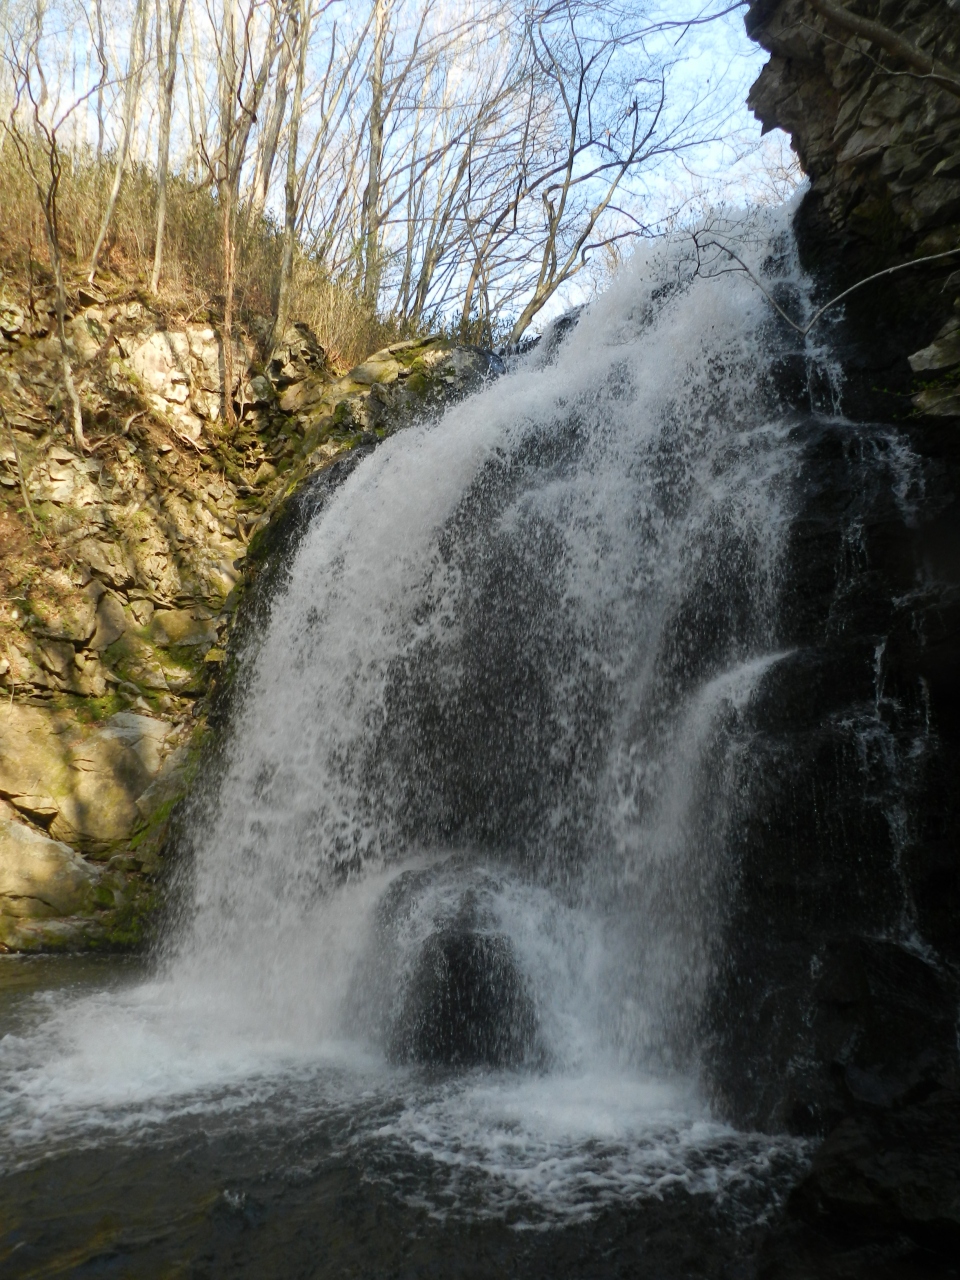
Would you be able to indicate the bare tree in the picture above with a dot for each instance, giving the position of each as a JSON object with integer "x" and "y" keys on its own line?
{"x": 272, "y": 113}
{"x": 329, "y": 183}
{"x": 613, "y": 120}
{"x": 375, "y": 126}
{"x": 168, "y": 78}
{"x": 500, "y": 146}
{"x": 131, "y": 97}
{"x": 34, "y": 125}
{"x": 240, "y": 91}
{"x": 427, "y": 158}
{"x": 464, "y": 101}
{"x": 302, "y": 39}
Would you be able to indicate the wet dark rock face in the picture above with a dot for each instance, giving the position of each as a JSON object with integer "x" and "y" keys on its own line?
{"x": 879, "y": 145}
{"x": 836, "y": 1010}
{"x": 445, "y": 987}
{"x": 881, "y": 1199}
{"x": 836, "y": 1013}
{"x": 466, "y": 1004}
{"x": 841, "y": 955}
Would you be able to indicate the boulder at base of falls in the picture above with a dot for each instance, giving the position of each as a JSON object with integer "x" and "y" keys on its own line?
{"x": 881, "y": 1200}
{"x": 445, "y": 986}
{"x": 93, "y": 787}
{"x": 80, "y": 782}
{"x": 40, "y": 877}
{"x": 52, "y": 899}
{"x": 466, "y": 1005}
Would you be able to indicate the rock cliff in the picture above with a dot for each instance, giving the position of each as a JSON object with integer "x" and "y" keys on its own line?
{"x": 839, "y": 1003}
{"x": 879, "y": 137}
{"x": 122, "y": 569}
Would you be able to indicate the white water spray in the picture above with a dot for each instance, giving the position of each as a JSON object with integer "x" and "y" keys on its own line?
{"x": 512, "y": 662}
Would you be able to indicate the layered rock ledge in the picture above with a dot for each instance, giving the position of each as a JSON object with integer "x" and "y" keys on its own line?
{"x": 116, "y": 607}
{"x": 880, "y": 141}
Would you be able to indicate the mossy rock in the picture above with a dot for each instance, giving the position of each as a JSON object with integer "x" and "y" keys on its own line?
{"x": 419, "y": 384}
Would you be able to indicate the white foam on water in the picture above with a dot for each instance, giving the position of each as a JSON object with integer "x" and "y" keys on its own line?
{"x": 564, "y": 1147}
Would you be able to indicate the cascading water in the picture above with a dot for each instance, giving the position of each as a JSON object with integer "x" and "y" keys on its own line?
{"x": 476, "y": 792}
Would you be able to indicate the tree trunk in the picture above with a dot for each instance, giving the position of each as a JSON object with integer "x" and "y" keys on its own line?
{"x": 163, "y": 150}
{"x": 231, "y": 78}
{"x": 371, "y": 203}
{"x": 290, "y": 184}
{"x": 99, "y": 42}
{"x": 21, "y": 478}
{"x": 270, "y": 135}
{"x": 237, "y": 115}
{"x": 229, "y": 263}
{"x": 131, "y": 99}
{"x": 53, "y": 240}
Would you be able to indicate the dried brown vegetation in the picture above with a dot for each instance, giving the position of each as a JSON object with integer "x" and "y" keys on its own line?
{"x": 191, "y": 284}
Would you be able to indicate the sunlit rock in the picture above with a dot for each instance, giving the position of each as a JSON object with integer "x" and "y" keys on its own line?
{"x": 111, "y": 622}
{"x": 182, "y": 627}
{"x": 40, "y": 877}
{"x": 82, "y": 783}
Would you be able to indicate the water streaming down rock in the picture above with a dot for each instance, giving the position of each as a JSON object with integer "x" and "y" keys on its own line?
{"x": 514, "y": 648}
{"x": 581, "y": 750}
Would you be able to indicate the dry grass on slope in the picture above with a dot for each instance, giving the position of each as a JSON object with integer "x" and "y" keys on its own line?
{"x": 191, "y": 283}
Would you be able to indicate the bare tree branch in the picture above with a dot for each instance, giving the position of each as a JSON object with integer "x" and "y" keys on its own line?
{"x": 892, "y": 43}
{"x": 703, "y": 244}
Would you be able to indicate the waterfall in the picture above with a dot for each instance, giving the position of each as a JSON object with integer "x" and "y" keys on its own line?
{"x": 515, "y": 644}
{"x": 477, "y": 785}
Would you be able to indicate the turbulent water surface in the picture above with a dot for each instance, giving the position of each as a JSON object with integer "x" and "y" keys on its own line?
{"x": 458, "y": 885}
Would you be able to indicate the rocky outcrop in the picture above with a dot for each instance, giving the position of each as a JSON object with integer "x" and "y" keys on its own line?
{"x": 882, "y": 1199}
{"x": 41, "y": 877}
{"x": 75, "y": 794}
{"x": 836, "y": 1013}
{"x": 387, "y": 391}
{"x": 80, "y": 782}
{"x": 880, "y": 142}
{"x": 116, "y": 608}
